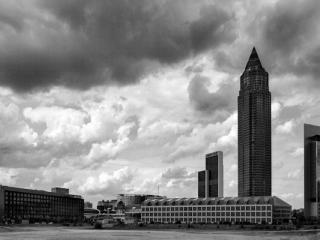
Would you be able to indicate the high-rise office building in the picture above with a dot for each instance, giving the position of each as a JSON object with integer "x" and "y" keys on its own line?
{"x": 210, "y": 181}
{"x": 254, "y": 130}
{"x": 311, "y": 171}
{"x": 203, "y": 180}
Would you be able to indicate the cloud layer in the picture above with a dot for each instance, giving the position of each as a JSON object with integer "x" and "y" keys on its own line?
{"x": 125, "y": 96}
{"x": 80, "y": 44}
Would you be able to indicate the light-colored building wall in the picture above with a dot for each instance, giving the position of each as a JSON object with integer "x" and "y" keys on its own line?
{"x": 207, "y": 214}
{"x": 216, "y": 210}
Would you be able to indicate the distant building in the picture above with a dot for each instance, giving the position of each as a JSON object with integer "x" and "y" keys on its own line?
{"x": 203, "y": 180}
{"x": 135, "y": 200}
{"x": 210, "y": 181}
{"x": 90, "y": 212}
{"x": 216, "y": 210}
{"x": 36, "y": 205}
{"x": 107, "y": 206}
{"x": 311, "y": 171}
{"x": 254, "y": 130}
{"x": 87, "y": 205}
{"x": 60, "y": 190}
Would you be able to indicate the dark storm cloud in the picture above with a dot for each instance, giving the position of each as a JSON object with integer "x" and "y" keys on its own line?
{"x": 205, "y": 101}
{"x": 87, "y": 43}
{"x": 288, "y": 37}
{"x": 289, "y": 24}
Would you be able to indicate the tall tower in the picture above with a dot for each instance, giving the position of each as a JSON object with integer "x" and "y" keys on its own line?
{"x": 311, "y": 172}
{"x": 210, "y": 181}
{"x": 254, "y": 130}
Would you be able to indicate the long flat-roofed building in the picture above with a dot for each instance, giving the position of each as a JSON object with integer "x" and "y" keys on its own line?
{"x": 36, "y": 205}
{"x": 216, "y": 210}
{"x": 312, "y": 171}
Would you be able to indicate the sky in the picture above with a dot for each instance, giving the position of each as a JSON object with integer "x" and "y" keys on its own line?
{"x": 108, "y": 97}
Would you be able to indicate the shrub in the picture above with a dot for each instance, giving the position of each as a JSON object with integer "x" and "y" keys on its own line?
{"x": 98, "y": 225}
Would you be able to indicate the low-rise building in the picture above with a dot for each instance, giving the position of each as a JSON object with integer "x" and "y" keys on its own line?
{"x": 135, "y": 200}
{"x": 257, "y": 210}
{"x": 87, "y": 204}
{"x": 107, "y": 206}
{"x": 36, "y": 205}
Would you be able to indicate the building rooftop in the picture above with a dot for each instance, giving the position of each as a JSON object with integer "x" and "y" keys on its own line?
{"x": 273, "y": 200}
{"x": 34, "y": 191}
{"x": 254, "y": 61}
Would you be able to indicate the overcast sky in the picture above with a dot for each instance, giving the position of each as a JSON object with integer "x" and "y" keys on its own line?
{"x": 107, "y": 97}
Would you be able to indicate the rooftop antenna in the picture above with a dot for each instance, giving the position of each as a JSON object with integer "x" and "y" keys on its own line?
{"x": 158, "y": 190}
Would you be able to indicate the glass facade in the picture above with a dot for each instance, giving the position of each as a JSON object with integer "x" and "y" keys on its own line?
{"x": 254, "y": 130}
{"x": 202, "y": 184}
{"x": 312, "y": 171}
{"x": 210, "y": 181}
{"x": 33, "y": 205}
{"x": 212, "y": 167}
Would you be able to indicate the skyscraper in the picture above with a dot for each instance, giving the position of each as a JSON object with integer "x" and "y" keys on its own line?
{"x": 210, "y": 181}
{"x": 203, "y": 181}
{"x": 254, "y": 130}
{"x": 311, "y": 171}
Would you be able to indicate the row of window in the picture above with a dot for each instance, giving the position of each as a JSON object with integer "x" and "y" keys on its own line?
{"x": 209, "y": 208}
{"x": 207, "y": 220}
{"x": 25, "y": 196}
{"x": 209, "y": 214}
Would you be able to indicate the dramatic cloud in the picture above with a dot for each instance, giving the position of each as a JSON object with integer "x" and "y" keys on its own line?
{"x": 206, "y": 101}
{"x": 118, "y": 96}
{"x": 85, "y": 43}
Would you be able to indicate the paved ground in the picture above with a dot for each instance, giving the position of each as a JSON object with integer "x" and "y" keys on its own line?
{"x": 68, "y": 233}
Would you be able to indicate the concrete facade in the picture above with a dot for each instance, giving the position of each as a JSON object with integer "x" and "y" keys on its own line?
{"x": 254, "y": 210}
{"x": 35, "y": 205}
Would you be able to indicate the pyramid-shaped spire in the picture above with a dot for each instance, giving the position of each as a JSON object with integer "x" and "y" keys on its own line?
{"x": 254, "y": 61}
